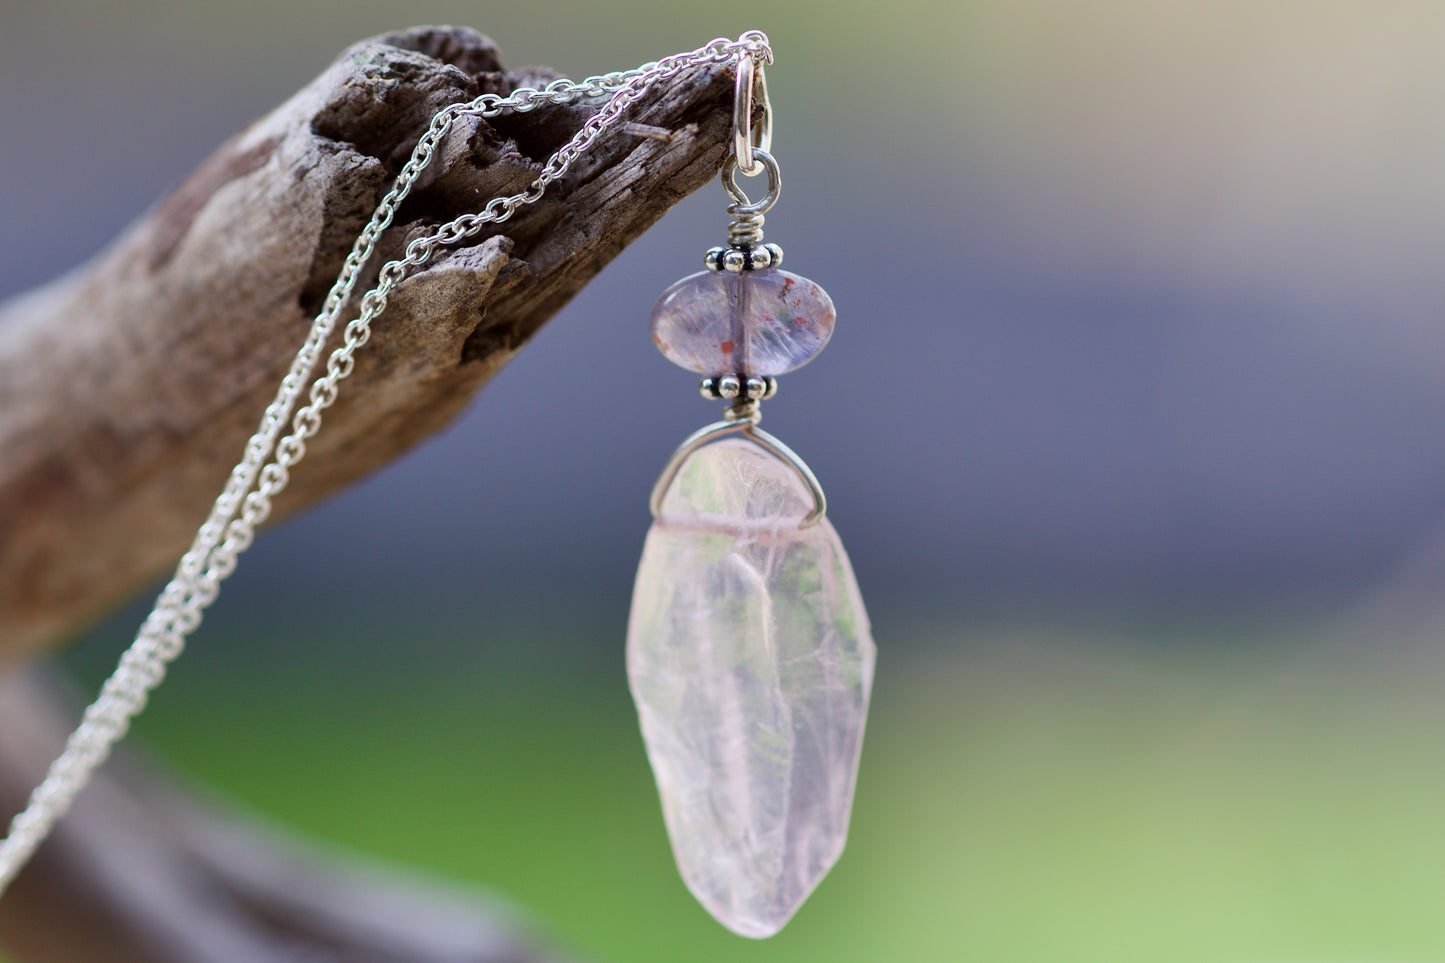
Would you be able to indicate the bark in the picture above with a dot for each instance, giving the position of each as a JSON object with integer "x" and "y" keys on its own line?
{"x": 127, "y": 391}
{"x": 128, "y": 388}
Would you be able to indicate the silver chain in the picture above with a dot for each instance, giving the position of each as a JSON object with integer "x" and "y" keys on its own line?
{"x": 264, "y": 469}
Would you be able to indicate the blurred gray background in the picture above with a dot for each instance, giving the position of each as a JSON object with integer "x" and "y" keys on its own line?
{"x": 1138, "y": 303}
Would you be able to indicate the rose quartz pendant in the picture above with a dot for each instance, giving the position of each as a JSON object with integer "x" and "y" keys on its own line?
{"x": 750, "y": 659}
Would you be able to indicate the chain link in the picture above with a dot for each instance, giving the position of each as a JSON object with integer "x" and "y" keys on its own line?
{"x": 264, "y": 469}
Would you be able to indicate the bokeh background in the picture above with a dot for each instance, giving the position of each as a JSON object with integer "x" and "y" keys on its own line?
{"x": 1132, "y": 425}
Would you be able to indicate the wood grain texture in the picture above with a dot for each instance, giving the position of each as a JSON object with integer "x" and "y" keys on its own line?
{"x": 128, "y": 388}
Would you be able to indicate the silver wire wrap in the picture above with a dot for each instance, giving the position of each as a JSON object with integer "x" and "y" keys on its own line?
{"x": 259, "y": 476}
{"x": 746, "y": 228}
{"x": 741, "y": 418}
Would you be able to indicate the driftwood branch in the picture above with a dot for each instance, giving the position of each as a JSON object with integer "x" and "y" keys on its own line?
{"x": 128, "y": 388}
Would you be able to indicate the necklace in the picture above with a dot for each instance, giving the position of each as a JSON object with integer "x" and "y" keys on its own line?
{"x": 295, "y": 414}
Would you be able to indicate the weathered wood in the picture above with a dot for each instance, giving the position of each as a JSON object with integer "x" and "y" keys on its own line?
{"x": 128, "y": 388}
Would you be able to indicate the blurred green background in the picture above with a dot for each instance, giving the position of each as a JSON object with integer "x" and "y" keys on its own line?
{"x": 1213, "y": 793}
{"x": 1132, "y": 425}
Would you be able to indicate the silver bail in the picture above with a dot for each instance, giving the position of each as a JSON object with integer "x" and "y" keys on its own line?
{"x": 751, "y": 89}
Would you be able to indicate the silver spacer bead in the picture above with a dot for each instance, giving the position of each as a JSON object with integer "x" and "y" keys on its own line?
{"x": 729, "y": 386}
{"x": 740, "y": 258}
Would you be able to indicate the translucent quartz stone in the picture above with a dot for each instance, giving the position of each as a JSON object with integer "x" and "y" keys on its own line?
{"x": 754, "y": 323}
{"x": 751, "y": 660}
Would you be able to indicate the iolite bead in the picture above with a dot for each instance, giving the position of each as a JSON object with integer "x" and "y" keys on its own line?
{"x": 755, "y": 323}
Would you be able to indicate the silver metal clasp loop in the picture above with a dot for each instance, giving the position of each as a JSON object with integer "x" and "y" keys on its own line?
{"x": 742, "y": 205}
{"x": 751, "y": 90}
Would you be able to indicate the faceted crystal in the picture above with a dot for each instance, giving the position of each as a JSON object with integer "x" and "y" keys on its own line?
{"x": 754, "y": 323}
{"x": 751, "y": 661}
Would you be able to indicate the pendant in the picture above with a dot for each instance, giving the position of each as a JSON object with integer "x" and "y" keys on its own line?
{"x": 750, "y": 659}
{"x": 749, "y": 653}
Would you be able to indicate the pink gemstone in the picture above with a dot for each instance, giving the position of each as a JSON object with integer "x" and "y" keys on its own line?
{"x": 754, "y": 323}
{"x": 751, "y": 661}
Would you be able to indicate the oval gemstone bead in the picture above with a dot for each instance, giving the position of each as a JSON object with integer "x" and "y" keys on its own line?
{"x": 764, "y": 322}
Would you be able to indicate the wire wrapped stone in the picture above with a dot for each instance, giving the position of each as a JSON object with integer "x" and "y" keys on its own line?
{"x": 751, "y": 662}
